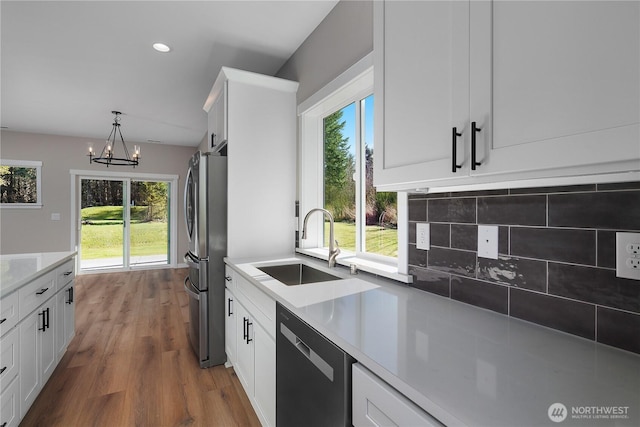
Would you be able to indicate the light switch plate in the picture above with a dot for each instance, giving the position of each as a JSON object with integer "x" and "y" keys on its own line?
{"x": 423, "y": 238}
{"x": 488, "y": 241}
{"x": 628, "y": 255}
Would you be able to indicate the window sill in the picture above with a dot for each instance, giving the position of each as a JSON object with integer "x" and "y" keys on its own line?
{"x": 389, "y": 271}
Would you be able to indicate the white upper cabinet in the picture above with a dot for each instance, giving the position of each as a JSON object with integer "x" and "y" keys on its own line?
{"x": 556, "y": 85}
{"x": 217, "y": 118}
{"x": 421, "y": 88}
{"x": 553, "y": 89}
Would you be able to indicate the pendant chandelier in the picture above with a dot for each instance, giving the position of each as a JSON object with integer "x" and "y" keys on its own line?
{"x": 108, "y": 154}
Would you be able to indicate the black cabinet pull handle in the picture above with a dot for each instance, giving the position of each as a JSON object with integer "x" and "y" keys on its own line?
{"x": 248, "y": 324}
{"x": 48, "y": 312}
{"x": 227, "y": 278}
{"x": 474, "y": 130}
{"x": 213, "y": 139}
{"x": 44, "y": 325}
{"x": 3, "y": 320}
{"x": 42, "y": 291}
{"x": 4, "y": 368}
{"x": 66, "y": 273}
{"x": 244, "y": 328}
{"x": 4, "y": 424}
{"x": 229, "y": 312}
{"x": 454, "y": 150}
{"x": 70, "y": 300}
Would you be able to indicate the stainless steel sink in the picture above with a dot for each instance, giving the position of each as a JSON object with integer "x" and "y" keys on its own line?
{"x": 297, "y": 274}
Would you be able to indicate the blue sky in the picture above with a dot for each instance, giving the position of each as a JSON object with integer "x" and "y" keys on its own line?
{"x": 349, "y": 115}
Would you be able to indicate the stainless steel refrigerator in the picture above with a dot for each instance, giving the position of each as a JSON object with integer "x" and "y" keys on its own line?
{"x": 205, "y": 208}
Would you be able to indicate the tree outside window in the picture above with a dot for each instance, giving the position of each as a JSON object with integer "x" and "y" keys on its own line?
{"x": 20, "y": 183}
{"x": 349, "y": 193}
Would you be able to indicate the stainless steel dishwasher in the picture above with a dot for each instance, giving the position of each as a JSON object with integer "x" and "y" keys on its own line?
{"x": 313, "y": 376}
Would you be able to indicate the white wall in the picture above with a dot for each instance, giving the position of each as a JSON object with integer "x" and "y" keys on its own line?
{"x": 32, "y": 230}
{"x": 343, "y": 38}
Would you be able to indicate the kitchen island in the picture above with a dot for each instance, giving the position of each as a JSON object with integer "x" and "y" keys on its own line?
{"x": 37, "y": 322}
{"x": 462, "y": 364}
{"x": 16, "y": 270}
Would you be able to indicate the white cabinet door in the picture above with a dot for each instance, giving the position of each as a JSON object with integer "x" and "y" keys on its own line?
{"x": 10, "y": 405}
{"x": 265, "y": 374}
{"x": 245, "y": 352}
{"x": 9, "y": 358}
{"x": 37, "y": 352}
{"x": 421, "y": 89}
{"x": 217, "y": 120}
{"x": 29, "y": 360}
{"x": 555, "y": 85}
{"x": 46, "y": 341}
{"x": 70, "y": 313}
{"x": 65, "y": 319}
{"x": 375, "y": 403}
{"x": 230, "y": 338}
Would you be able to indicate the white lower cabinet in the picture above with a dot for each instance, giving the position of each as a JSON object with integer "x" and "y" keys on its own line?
{"x": 375, "y": 403}
{"x": 9, "y": 358}
{"x": 265, "y": 373}
{"x": 245, "y": 351}
{"x": 10, "y": 404}
{"x": 250, "y": 344}
{"x": 38, "y": 352}
{"x": 38, "y": 323}
{"x": 230, "y": 341}
{"x": 65, "y": 325}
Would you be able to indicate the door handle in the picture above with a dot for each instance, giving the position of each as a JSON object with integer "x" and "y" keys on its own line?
{"x": 474, "y": 129}
{"x": 4, "y": 368}
{"x": 66, "y": 273}
{"x": 454, "y": 150}
{"x": 42, "y": 291}
{"x": 188, "y": 289}
{"x": 70, "y": 300}
{"x": 229, "y": 312}
{"x": 307, "y": 352}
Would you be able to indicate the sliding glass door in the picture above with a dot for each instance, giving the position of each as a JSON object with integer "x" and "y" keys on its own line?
{"x": 123, "y": 223}
{"x": 149, "y": 231}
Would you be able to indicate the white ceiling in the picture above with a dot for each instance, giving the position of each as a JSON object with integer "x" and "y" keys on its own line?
{"x": 65, "y": 65}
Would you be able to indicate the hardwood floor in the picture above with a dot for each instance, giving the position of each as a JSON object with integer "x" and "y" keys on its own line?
{"x": 131, "y": 364}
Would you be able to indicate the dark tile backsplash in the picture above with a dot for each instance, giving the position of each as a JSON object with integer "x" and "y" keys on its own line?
{"x": 556, "y": 264}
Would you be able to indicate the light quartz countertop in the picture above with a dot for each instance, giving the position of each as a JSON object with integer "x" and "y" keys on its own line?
{"x": 16, "y": 270}
{"x": 462, "y": 364}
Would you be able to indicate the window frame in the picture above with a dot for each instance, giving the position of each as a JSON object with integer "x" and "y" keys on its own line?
{"x": 353, "y": 85}
{"x": 31, "y": 164}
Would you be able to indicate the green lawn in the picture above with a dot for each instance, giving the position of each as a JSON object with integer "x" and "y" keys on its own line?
{"x": 383, "y": 241}
{"x": 102, "y": 235}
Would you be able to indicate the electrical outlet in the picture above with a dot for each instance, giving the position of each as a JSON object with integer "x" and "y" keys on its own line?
{"x": 488, "y": 241}
{"x": 423, "y": 238}
{"x": 628, "y": 255}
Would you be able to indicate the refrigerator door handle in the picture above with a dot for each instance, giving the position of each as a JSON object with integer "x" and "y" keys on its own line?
{"x": 189, "y": 289}
{"x": 192, "y": 261}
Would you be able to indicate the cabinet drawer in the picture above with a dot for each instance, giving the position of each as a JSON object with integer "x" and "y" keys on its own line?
{"x": 229, "y": 278}
{"x": 36, "y": 293}
{"x": 375, "y": 403}
{"x": 10, "y": 404}
{"x": 65, "y": 273}
{"x": 9, "y": 358}
{"x": 9, "y": 313}
{"x": 263, "y": 302}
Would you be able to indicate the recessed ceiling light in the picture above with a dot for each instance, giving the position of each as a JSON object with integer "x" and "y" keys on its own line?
{"x": 161, "y": 47}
